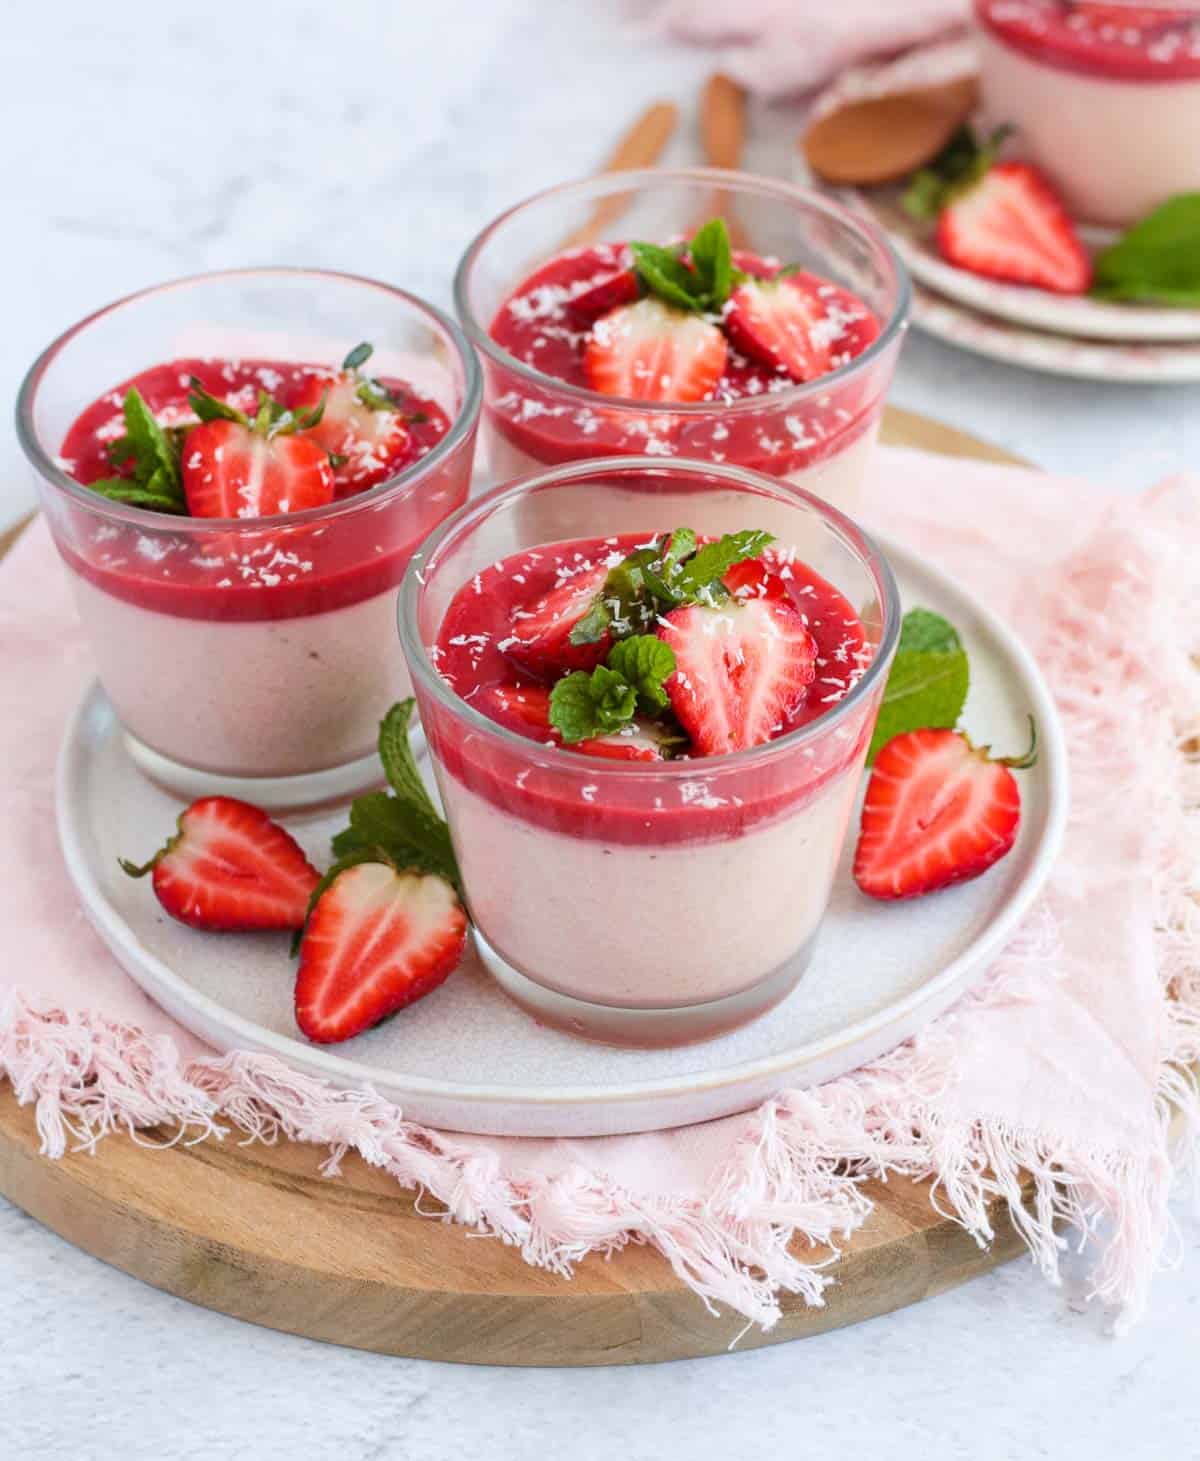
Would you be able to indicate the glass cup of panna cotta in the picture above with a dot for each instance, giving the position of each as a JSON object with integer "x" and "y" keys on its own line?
{"x": 237, "y": 575}
{"x": 1104, "y": 98}
{"x": 660, "y": 878}
{"x": 601, "y": 334}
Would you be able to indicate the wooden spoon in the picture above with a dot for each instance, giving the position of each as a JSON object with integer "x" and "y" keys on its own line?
{"x": 641, "y": 146}
{"x": 723, "y": 135}
{"x": 884, "y": 138}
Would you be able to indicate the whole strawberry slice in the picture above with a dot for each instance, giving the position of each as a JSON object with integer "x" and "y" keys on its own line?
{"x": 649, "y": 351}
{"x": 937, "y": 811}
{"x": 229, "y": 867}
{"x": 1011, "y": 225}
{"x": 526, "y": 708}
{"x": 363, "y": 427}
{"x": 540, "y": 641}
{"x": 783, "y": 323}
{"x": 741, "y": 671}
{"x": 233, "y": 466}
{"x": 377, "y": 940}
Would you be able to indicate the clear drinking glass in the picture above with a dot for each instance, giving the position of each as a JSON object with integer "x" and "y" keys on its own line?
{"x": 253, "y": 656}
{"x": 817, "y": 435}
{"x": 631, "y": 902}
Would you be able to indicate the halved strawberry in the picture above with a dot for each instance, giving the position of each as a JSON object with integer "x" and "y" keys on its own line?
{"x": 231, "y": 471}
{"x": 649, "y": 351}
{"x": 1130, "y": 17}
{"x": 229, "y": 867}
{"x": 362, "y": 427}
{"x": 377, "y": 940}
{"x": 741, "y": 671}
{"x": 526, "y": 708}
{"x": 541, "y": 632}
{"x": 937, "y": 811}
{"x": 784, "y": 323}
{"x": 1012, "y": 225}
{"x": 608, "y": 293}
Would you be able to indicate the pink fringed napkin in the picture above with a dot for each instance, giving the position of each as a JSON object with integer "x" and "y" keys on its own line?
{"x": 1068, "y": 1060}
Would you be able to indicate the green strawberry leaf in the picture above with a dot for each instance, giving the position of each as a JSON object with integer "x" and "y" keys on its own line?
{"x": 958, "y": 167}
{"x": 211, "y": 408}
{"x": 928, "y": 682}
{"x": 358, "y": 356}
{"x": 1158, "y": 260}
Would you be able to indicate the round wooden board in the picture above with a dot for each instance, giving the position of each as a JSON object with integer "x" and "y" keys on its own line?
{"x": 258, "y": 1233}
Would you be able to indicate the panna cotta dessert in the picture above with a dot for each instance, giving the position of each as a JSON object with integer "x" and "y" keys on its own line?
{"x": 235, "y": 523}
{"x": 1104, "y": 98}
{"x": 648, "y": 740}
{"x": 762, "y": 334}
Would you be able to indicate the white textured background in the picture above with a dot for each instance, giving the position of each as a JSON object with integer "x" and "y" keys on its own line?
{"x": 147, "y": 141}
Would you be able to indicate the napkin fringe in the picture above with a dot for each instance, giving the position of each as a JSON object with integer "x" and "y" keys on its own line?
{"x": 795, "y": 1183}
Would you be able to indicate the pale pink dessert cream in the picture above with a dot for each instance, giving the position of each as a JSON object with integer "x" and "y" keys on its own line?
{"x": 1104, "y": 98}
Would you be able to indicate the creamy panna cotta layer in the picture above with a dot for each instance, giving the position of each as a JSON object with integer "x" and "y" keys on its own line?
{"x": 650, "y": 926}
{"x": 1111, "y": 114}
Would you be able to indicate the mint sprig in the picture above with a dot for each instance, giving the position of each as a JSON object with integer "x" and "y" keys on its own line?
{"x": 584, "y": 705}
{"x": 697, "y": 276}
{"x": 662, "y": 576}
{"x": 928, "y": 683}
{"x": 1158, "y": 260}
{"x": 402, "y": 826}
{"x": 152, "y": 455}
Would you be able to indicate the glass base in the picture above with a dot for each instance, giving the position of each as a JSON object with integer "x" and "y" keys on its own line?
{"x": 312, "y": 791}
{"x": 646, "y": 1029}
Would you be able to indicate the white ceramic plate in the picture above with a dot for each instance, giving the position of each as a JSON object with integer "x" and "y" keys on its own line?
{"x": 468, "y": 1060}
{"x": 1103, "y": 360}
{"x": 1075, "y": 316}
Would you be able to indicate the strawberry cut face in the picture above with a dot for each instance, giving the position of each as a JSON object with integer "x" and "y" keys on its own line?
{"x": 540, "y": 641}
{"x": 783, "y": 323}
{"x": 229, "y": 868}
{"x": 231, "y": 471}
{"x": 1011, "y": 225}
{"x": 370, "y": 444}
{"x": 741, "y": 671}
{"x": 648, "y": 351}
{"x": 937, "y": 811}
{"x": 377, "y": 941}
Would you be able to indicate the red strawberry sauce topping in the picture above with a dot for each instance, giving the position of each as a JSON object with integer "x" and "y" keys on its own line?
{"x": 249, "y": 579}
{"x": 548, "y": 323}
{"x": 474, "y": 654}
{"x": 1122, "y": 42}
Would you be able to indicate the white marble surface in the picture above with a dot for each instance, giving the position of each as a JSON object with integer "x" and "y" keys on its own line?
{"x": 146, "y": 141}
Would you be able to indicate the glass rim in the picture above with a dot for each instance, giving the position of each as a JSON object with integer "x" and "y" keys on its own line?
{"x": 464, "y": 421}
{"x": 718, "y": 179}
{"x": 476, "y": 509}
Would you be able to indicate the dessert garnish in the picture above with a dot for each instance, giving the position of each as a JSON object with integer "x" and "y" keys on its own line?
{"x": 229, "y": 868}
{"x": 377, "y": 940}
{"x": 684, "y": 322}
{"x": 1158, "y": 260}
{"x": 381, "y": 929}
{"x": 928, "y": 681}
{"x": 1003, "y": 220}
{"x": 235, "y": 466}
{"x": 336, "y": 433}
{"x": 938, "y": 810}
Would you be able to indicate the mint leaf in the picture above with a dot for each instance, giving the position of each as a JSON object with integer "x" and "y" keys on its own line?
{"x": 1158, "y": 260}
{"x": 150, "y": 453}
{"x": 124, "y": 489}
{"x": 665, "y": 275}
{"x": 712, "y": 258}
{"x": 583, "y": 705}
{"x": 644, "y": 661}
{"x": 702, "y": 573}
{"x": 928, "y": 682}
{"x": 922, "y": 629}
{"x": 402, "y": 827}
